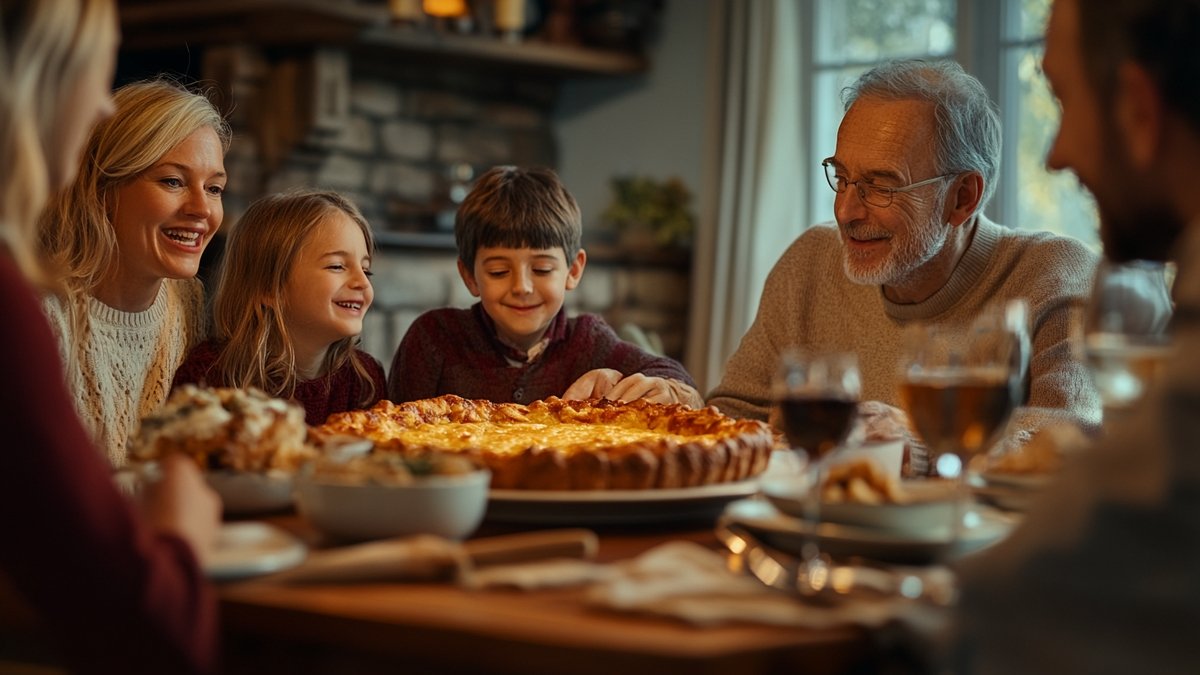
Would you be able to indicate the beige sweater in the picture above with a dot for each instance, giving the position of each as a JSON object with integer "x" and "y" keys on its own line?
{"x": 130, "y": 359}
{"x": 808, "y": 301}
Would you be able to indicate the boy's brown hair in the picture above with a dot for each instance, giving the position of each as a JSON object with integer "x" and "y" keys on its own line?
{"x": 517, "y": 208}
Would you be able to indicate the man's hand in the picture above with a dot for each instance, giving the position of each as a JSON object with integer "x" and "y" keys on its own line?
{"x": 881, "y": 422}
{"x": 878, "y": 421}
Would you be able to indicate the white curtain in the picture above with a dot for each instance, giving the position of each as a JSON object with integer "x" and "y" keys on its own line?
{"x": 755, "y": 181}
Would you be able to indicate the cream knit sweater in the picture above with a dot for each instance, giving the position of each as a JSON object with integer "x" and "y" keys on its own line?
{"x": 808, "y": 301}
{"x": 130, "y": 359}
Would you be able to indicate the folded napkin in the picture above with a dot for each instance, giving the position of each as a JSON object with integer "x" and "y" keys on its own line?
{"x": 427, "y": 557}
{"x": 421, "y": 557}
{"x": 690, "y": 582}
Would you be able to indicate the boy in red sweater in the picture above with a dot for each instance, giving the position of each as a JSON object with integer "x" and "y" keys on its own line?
{"x": 518, "y": 236}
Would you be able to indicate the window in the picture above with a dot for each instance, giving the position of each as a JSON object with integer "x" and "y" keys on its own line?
{"x": 1000, "y": 42}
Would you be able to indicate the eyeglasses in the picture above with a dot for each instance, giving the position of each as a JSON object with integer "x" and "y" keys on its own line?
{"x": 875, "y": 195}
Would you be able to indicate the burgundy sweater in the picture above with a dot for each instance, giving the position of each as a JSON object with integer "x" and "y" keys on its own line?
{"x": 338, "y": 391}
{"x": 117, "y": 596}
{"x": 457, "y": 351}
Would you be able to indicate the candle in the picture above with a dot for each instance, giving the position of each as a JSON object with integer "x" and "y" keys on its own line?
{"x": 446, "y": 8}
{"x": 405, "y": 10}
{"x": 510, "y": 15}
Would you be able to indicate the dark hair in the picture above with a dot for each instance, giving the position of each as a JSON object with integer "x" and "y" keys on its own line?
{"x": 518, "y": 208}
{"x": 1160, "y": 35}
{"x": 968, "y": 124}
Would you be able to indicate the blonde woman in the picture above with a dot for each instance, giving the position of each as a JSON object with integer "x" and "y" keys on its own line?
{"x": 118, "y": 592}
{"x": 127, "y": 237}
{"x": 294, "y": 288}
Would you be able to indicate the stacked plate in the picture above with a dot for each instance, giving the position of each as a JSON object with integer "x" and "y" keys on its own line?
{"x": 1009, "y": 491}
{"x": 917, "y": 531}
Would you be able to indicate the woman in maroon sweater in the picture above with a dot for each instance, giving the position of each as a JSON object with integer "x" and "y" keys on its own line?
{"x": 118, "y": 591}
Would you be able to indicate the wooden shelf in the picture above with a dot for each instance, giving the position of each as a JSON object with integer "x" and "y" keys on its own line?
{"x": 163, "y": 24}
{"x": 485, "y": 51}
{"x": 601, "y": 253}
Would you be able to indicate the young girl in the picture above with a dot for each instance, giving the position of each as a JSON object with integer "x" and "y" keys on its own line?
{"x": 289, "y": 305}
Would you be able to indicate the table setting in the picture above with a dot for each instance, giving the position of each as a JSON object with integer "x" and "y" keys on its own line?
{"x": 816, "y": 546}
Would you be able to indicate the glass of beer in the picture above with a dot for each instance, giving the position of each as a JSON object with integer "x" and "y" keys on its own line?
{"x": 816, "y": 399}
{"x": 959, "y": 386}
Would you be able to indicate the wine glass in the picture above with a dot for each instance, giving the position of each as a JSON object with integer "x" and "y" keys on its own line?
{"x": 816, "y": 397}
{"x": 960, "y": 385}
{"x": 1124, "y": 334}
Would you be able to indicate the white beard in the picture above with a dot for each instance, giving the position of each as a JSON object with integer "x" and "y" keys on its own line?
{"x": 905, "y": 259}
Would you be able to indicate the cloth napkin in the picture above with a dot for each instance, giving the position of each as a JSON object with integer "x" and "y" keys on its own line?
{"x": 692, "y": 583}
{"x": 430, "y": 558}
{"x": 415, "y": 558}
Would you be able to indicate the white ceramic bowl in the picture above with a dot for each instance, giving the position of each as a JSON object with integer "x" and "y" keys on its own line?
{"x": 246, "y": 492}
{"x": 450, "y": 506}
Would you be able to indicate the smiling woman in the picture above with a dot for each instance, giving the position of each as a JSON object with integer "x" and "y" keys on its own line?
{"x": 125, "y": 239}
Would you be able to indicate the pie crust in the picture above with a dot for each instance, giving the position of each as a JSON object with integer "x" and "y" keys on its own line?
{"x": 570, "y": 445}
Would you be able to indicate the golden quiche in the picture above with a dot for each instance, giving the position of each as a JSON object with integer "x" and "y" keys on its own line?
{"x": 570, "y": 445}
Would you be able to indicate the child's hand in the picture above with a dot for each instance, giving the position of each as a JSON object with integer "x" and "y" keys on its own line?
{"x": 593, "y": 384}
{"x": 637, "y": 385}
{"x": 608, "y": 383}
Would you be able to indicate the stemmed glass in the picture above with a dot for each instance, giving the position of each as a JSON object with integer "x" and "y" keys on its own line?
{"x": 1124, "y": 334}
{"x": 816, "y": 398}
{"x": 960, "y": 386}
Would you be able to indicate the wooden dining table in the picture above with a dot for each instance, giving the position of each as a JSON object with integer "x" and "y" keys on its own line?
{"x": 418, "y": 627}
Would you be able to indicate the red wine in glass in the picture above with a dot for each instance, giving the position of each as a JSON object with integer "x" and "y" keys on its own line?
{"x": 816, "y": 425}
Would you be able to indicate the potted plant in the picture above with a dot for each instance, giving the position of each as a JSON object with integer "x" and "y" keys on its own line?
{"x": 650, "y": 213}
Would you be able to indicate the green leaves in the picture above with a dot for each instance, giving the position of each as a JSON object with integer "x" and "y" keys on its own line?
{"x": 660, "y": 210}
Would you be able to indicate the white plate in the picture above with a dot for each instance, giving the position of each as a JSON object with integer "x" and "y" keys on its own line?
{"x": 788, "y": 534}
{"x": 1007, "y": 498}
{"x": 246, "y": 492}
{"x": 252, "y": 548}
{"x": 930, "y": 506}
{"x": 601, "y": 507}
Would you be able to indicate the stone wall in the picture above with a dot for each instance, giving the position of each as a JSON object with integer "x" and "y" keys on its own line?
{"x": 401, "y": 140}
{"x": 649, "y": 295}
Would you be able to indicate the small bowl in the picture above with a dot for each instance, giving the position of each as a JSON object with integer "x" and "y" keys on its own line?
{"x": 928, "y": 507}
{"x": 888, "y": 455}
{"x": 246, "y": 492}
{"x": 450, "y": 506}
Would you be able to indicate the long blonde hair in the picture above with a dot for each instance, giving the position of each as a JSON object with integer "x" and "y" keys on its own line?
{"x": 260, "y": 253}
{"x": 45, "y": 46}
{"x": 75, "y": 234}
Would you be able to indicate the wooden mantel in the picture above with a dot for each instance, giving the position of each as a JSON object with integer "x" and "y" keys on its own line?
{"x": 368, "y": 29}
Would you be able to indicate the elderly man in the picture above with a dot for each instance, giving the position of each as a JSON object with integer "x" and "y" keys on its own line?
{"x": 918, "y": 153}
{"x": 1104, "y": 575}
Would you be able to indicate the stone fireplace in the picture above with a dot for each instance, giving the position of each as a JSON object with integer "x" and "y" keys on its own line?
{"x": 401, "y": 122}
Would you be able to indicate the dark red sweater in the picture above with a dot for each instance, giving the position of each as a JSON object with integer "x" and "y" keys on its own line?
{"x": 117, "y": 596}
{"x": 338, "y": 391}
{"x": 456, "y": 351}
